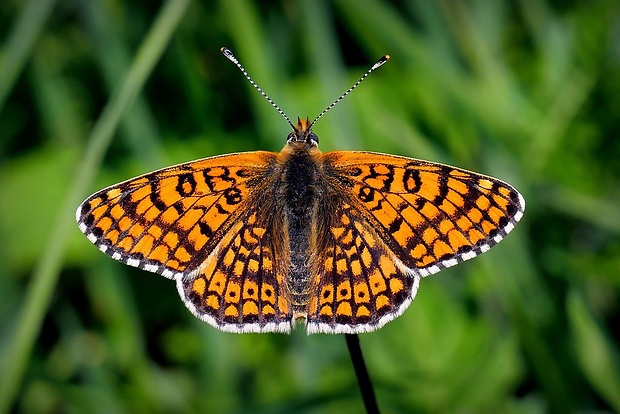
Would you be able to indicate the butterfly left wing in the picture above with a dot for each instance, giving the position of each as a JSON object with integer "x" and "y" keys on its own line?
{"x": 197, "y": 223}
{"x": 355, "y": 282}
{"x": 396, "y": 220}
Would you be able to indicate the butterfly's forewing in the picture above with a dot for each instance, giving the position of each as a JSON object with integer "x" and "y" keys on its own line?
{"x": 425, "y": 217}
{"x": 184, "y": 222}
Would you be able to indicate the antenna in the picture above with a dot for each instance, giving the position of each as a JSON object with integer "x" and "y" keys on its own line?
{"x": 234, "y": 60}
{"x": 229, "y": 55}
{"x": 377, "y": 64}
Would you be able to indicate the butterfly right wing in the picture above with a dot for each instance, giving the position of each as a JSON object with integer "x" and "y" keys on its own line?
{"x": 197, "y": 223}
{"x": 387, "y": 222}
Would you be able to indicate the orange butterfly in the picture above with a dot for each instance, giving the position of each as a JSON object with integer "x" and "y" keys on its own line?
{"x": 257, "y": 241}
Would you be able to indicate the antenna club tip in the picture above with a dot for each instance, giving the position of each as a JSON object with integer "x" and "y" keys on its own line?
{"x": 380, "y": 62}
{"x": 226, "y": 52}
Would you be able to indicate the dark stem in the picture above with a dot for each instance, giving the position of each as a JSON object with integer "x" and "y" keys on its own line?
{"x": 363, "y": 380}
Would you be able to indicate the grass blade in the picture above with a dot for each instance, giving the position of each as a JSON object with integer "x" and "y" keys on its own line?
{"x": 48, "y": 268}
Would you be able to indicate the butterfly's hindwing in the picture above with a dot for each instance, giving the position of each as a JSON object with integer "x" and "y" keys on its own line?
{"x": 242, "y": 285}
{"x": 356, "y": 285}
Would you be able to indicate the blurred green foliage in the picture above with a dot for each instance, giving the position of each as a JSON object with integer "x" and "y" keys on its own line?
{"x": 527, "y": 91}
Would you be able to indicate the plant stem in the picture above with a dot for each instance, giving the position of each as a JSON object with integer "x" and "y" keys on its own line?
{"x": 363, "y": 380}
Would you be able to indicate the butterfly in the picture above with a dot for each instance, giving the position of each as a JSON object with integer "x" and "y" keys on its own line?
{"x": 259, "y": 241}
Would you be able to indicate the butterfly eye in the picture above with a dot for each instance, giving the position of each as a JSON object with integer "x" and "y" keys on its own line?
{"x": 291, "y": 137}
{"x": 313, "y": 138}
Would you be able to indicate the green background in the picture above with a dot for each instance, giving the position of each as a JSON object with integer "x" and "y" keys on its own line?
{"x": 94, "y": 92}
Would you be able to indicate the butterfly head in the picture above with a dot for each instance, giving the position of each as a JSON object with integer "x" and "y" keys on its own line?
{"x": 302, "y": 133}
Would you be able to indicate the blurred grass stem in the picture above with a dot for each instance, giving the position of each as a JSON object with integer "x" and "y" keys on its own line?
{"x": 19, "y": 45}
{"x": 49, "y": 265}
